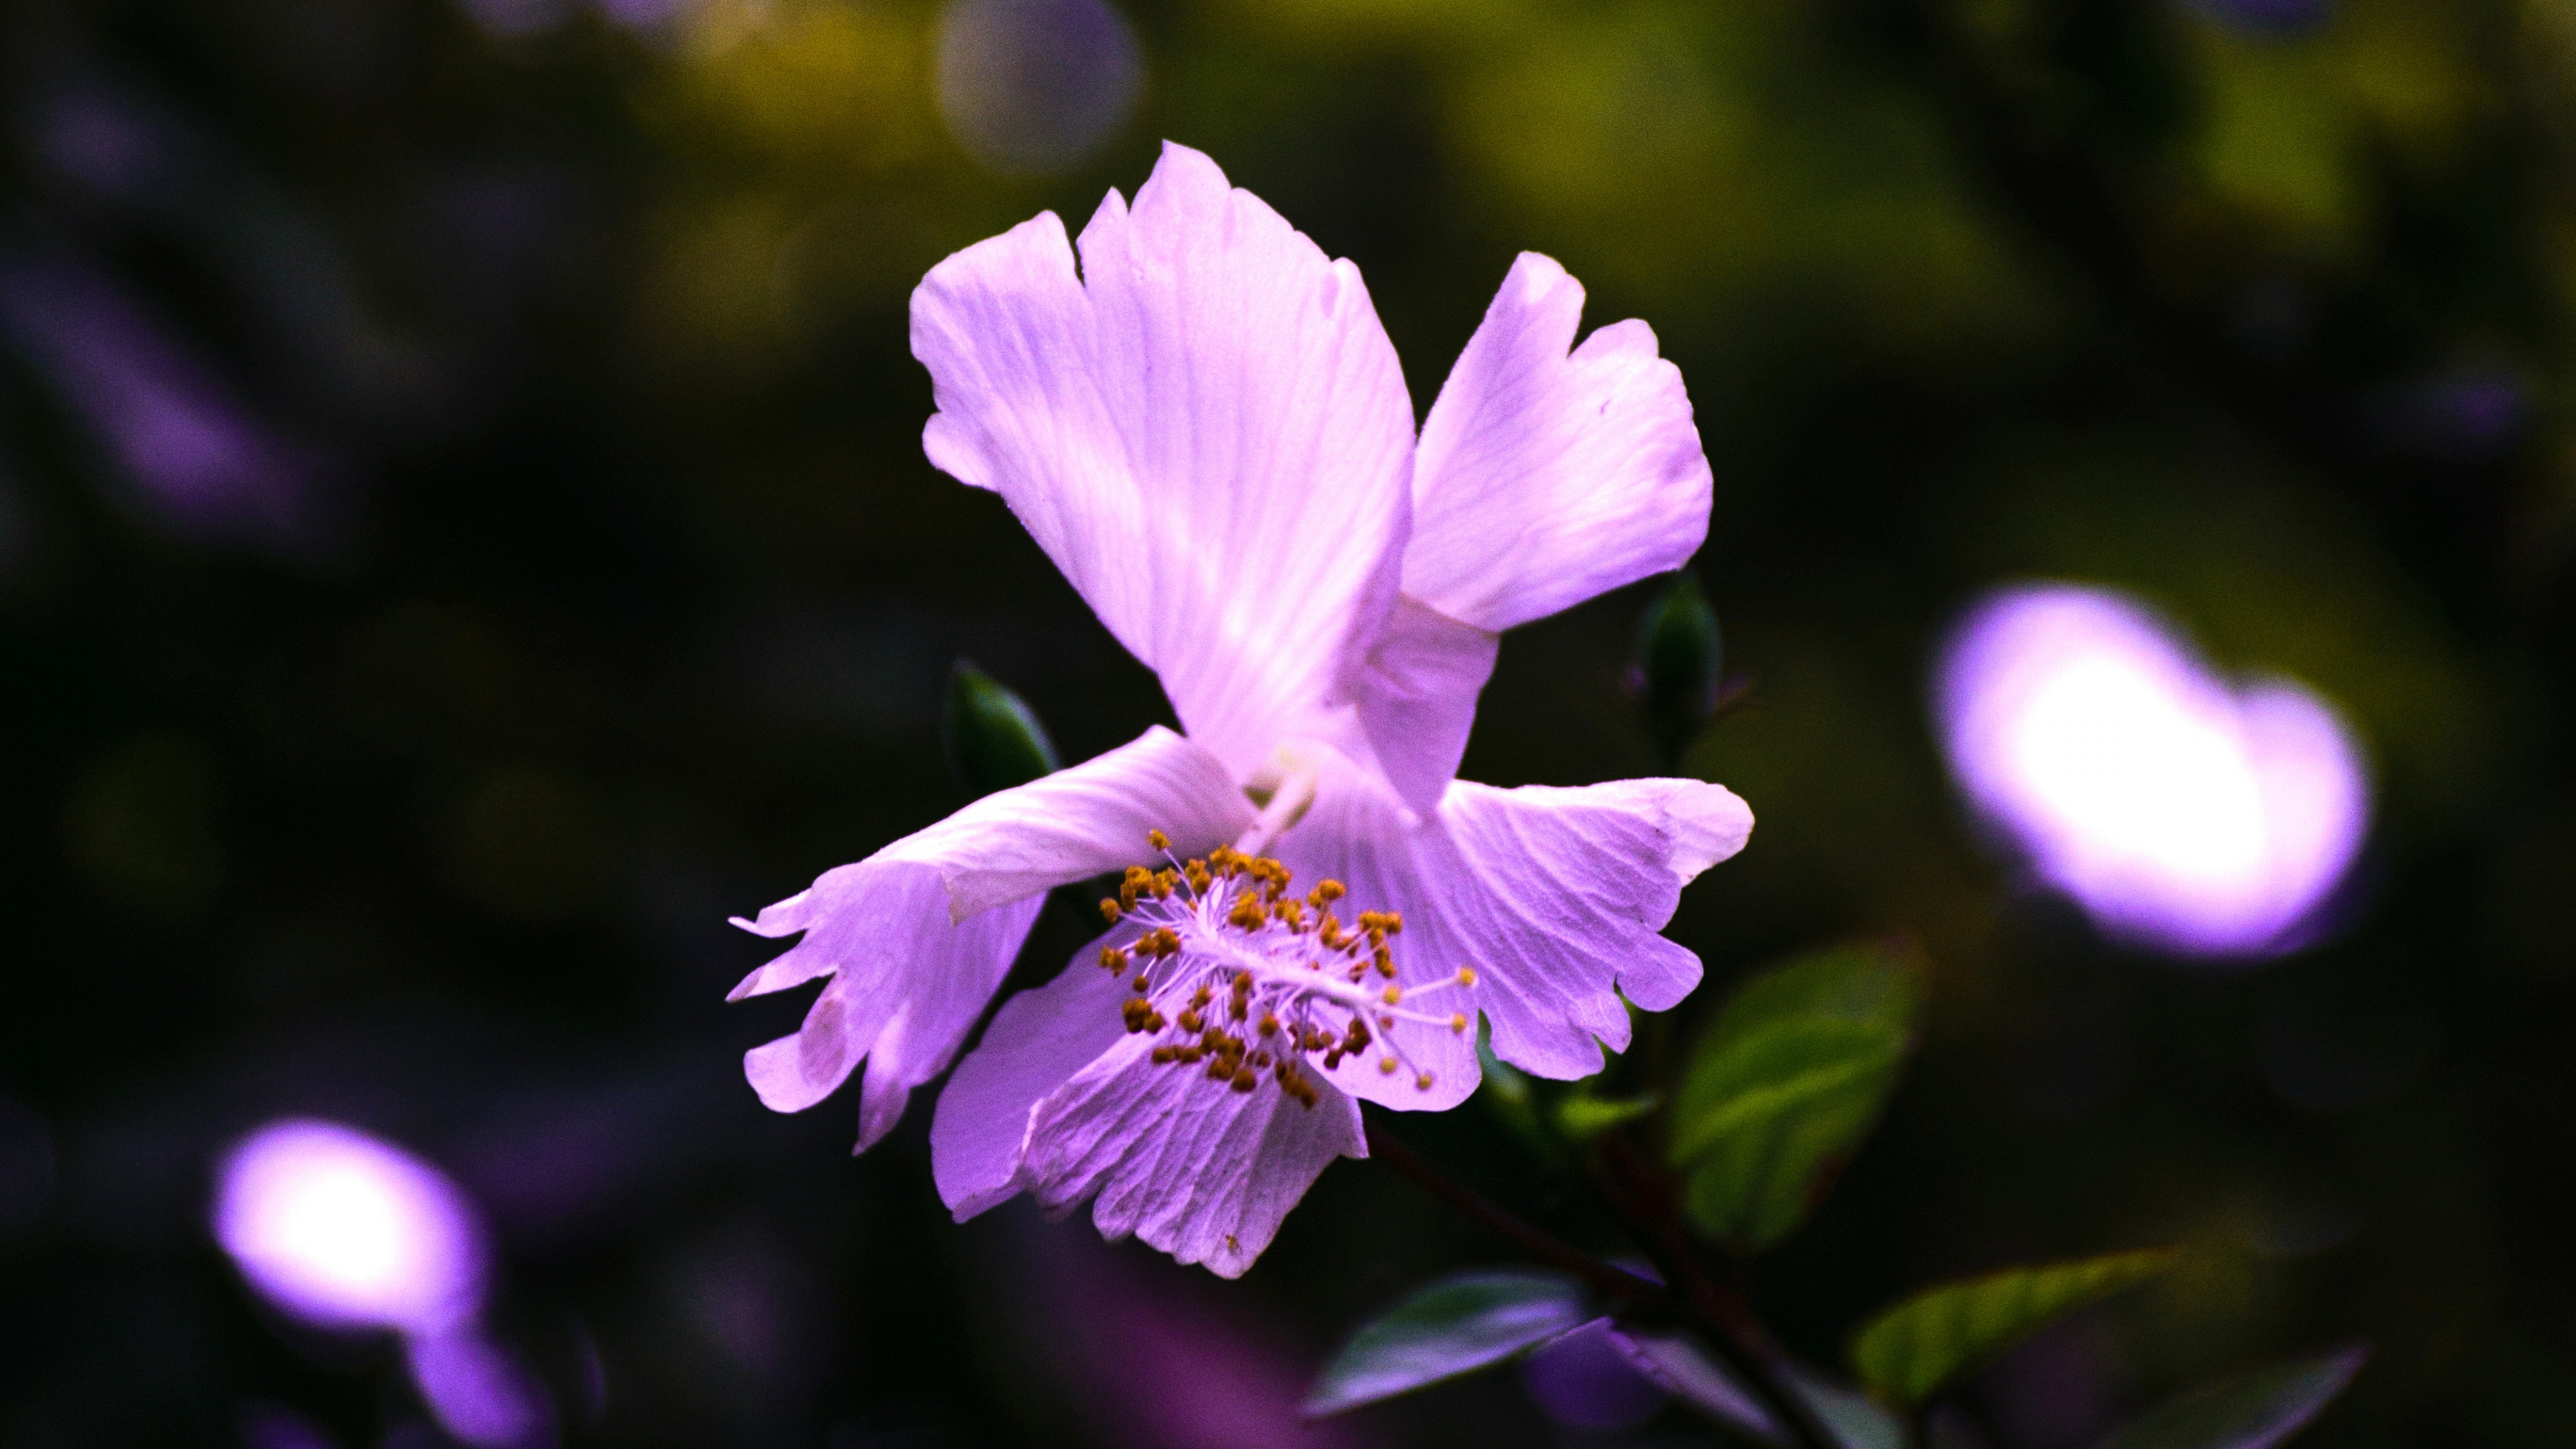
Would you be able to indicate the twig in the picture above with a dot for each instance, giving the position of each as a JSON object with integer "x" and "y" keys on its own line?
{"x": 1725, "y": 1318}
{"x": 1612, "y": 1281}
{"x": 1646, "y": 1198}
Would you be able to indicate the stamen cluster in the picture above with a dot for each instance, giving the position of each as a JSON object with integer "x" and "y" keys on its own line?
{"x": 1240, "y": 978}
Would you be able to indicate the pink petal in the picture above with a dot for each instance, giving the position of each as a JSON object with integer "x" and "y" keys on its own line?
{"x": 1360, "y": 835}
{"x": 1545, "y": 478}
{"x": 1207, "y": 431}
{"x": 1554, "y": 898}
{"x": 1196, "y": 1169}
{"x": 1418, "y": 699}
{"x": 908, "y": 986}
{"x": 919, "y": 935}
{"x": 1569, "y": 887}
{"x": 1037, "y": 1041}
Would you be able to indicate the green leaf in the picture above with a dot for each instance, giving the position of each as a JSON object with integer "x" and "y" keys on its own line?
{"x": 992, "y": 737}
{"x": 2251, "y": 1411}
{"x": 1457, "y": 1325}
{"x": 1678, "y": 1363}
{"x": 1856, "y": 1420}
{"x": 1582, "y": 1116}
{"x": 1783, "y": 1086}
{"x": 1906, "y": 1354}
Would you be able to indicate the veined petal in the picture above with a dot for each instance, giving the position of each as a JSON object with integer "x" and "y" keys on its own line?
{"x": 1554, "y": 897}
{"x": 1418, "y": 699}
{"x": 1569, "y": 888}
{"x": 1016, "y": 843}
{"x": 908, "y": 984}
{"x": 1547, "y": 476}
{"x": 919, "y": 935}
{"x": 1196, "y": 1169}
{"x": 1037, "y": 1041}
{"x": 1359, "y": 834}
{"x": 1206, "y": 430}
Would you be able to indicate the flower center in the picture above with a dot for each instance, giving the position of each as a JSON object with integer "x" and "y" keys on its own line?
{"x": 1240, "y": 979}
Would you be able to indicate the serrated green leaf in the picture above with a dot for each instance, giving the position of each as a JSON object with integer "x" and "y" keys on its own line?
{"x": 2252, "y": 1411}
{"x": 1784, "y": 1085}
{"x": 1455, "y": 1326}
{"x": 1909, "y": 1352}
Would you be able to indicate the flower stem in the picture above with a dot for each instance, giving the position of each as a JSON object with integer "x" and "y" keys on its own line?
{"x": 1611, "y": 1281}
{"x": 1722, "y": 1315}
{"x": 1646, "y": 1197}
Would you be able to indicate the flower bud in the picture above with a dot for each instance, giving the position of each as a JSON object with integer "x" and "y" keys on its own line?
{"x": 992, "y": 738}
{"x": 1678, "y": 656}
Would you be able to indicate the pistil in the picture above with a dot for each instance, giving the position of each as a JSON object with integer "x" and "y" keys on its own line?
{"x": 1237, "y": 977}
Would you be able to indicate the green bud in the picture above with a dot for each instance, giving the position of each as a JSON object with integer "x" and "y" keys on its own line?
{"x": 1678, "y": 656}
{"x": 992, "y": 737}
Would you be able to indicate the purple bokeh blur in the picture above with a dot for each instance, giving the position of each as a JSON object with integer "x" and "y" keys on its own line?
{"x": 1032, "y": 86}
{"x": 479, "y": 1395}
{"x": 348, "y": 1232}
{"x": 197, "y": 460}
{"x": 2271, "y": 17}
{"x": 344, "y": 1231}
{"x": 2184, "y": 813}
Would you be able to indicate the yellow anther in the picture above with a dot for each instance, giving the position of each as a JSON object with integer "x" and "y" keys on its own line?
{"x": 1466, "y": 975}
{"x": 1386, "y": 1066}
{"x": 1422, "y": 1083}
{"x": 1457, "y": 1021}
{"x": 1158, "y": 840}
{"x": 1109, "y": 910}
{"x": 1392, "y": 995}
{"x": 1142, "y": 981}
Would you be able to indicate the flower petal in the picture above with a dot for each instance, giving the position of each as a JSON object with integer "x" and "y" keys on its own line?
{"x": 919, "y": 935}
{"x": 1360, "y": 835}
{"x": 1545, "y": 477}
{"x": 1566, "y": 890}
{"x": 907, "y": 987}
{"x": 1037, "y": 1041}
{"x": 1015, "y": 843}
{"x": 1206, "y": 430}
{"x": 1554, "y": 897}
{"x": 1418, "y": 699}
{"x": 1200, "y": 1171}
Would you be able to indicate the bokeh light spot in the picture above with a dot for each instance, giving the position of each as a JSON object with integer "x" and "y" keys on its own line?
{"x": 1031, "y": 86}
{"x": 2182, "y": 812}
{"x": 345, "y": 1231}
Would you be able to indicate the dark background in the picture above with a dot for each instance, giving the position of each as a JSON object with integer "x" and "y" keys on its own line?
{"x": 463, "y": 534}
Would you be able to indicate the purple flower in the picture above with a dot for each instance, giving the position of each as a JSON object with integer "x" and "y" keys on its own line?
{"x": 1206, "y": 429}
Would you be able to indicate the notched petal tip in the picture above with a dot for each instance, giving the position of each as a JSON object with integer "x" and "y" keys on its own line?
{"x": 1706, "y": 823}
